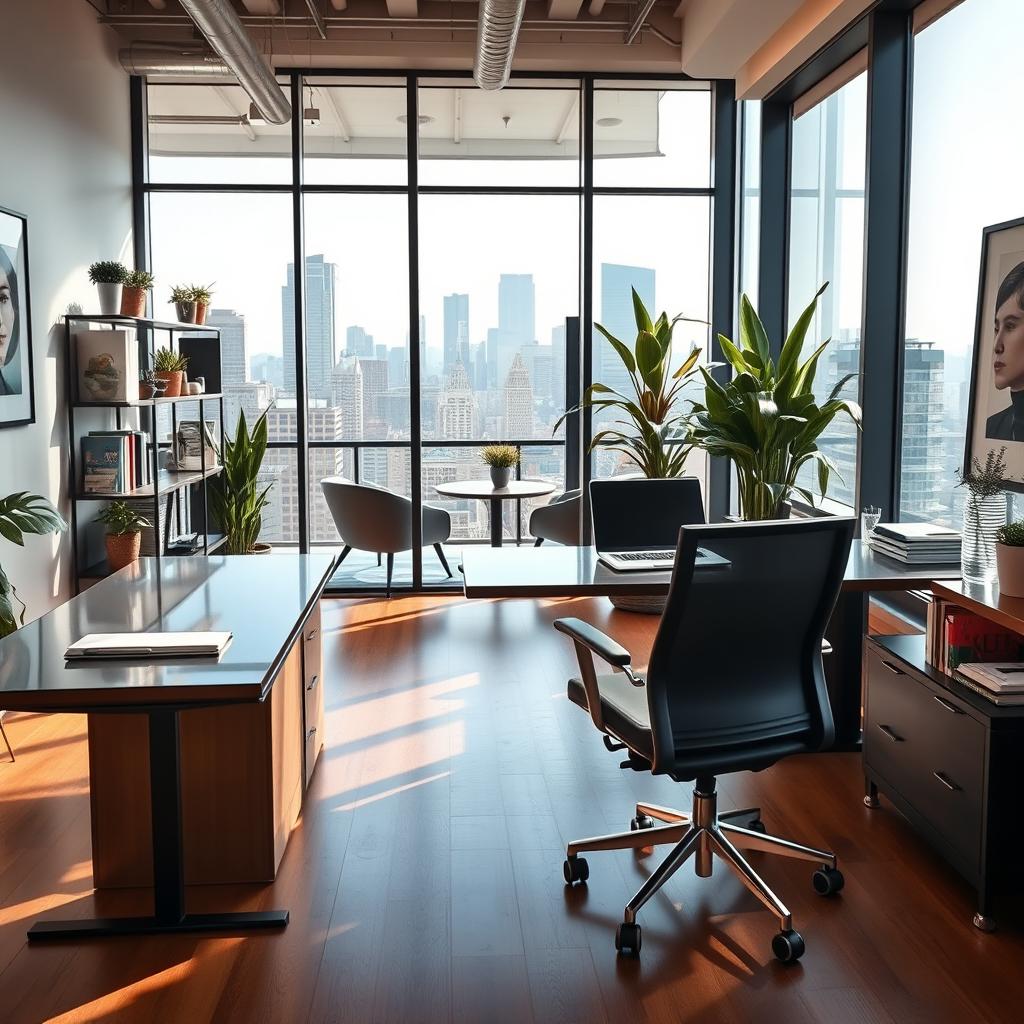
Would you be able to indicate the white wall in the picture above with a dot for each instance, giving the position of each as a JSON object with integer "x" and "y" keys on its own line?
{"x": 65, "y": 163}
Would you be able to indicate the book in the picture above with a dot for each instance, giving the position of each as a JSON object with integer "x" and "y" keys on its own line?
{"x": 916, "y": 533}
{"x": 104, "y": 465}
{"x": 999, "y": 677}
{"x": 141, "y": 468}
{"x": 915, "y": 556}
{"x": 971, "y": 638}
{"x": 108, "y": 365}
{"x": 1001, "y": 700}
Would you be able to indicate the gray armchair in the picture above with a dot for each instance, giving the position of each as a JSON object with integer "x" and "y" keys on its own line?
{"x": 371, "y": 518}
{"x": 558, "y": 521}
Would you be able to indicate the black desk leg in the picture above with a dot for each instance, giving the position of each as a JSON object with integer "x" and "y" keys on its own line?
{"x": 496, "y": 529}
{"x": 168, "y": 863}
{"x": 845, "y": 632}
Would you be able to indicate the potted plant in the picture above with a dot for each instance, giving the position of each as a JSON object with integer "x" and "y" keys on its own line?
{"x": 1010, "y": 558}
{"x": 108, "y": 276}
{"x": 133, "y": 292}
{"x": 124, "y": 533}
{"x": 169, "y": 366}
{"x": 984, "y": 514}
{"x": 203, "y": 296}
{"x": 184, "y": 304}
{"x": 235, "y": 494}
{"x": 659, "y": 442}
{"x": 502, "y": 458}
{"x": 151, "y": 386}
{"x": 766, "y": 419}
{"x": 22, "y": 513}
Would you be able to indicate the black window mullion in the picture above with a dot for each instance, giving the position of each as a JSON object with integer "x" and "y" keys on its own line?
{"x": 773, "y": 255}
{"x": 299, "y": 247}
{"x": 586, "y": 346}
{"x": 415, "y": 427}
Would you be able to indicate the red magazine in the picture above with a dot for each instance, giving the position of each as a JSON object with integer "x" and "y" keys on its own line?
{"x": 969, "y": 637}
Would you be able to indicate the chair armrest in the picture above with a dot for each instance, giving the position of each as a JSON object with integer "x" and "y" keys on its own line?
{"x": 599, "y": 643}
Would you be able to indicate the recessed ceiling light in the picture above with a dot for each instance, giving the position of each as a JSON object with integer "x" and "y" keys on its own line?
{"x": 609, "y": 122}
{"x": 420, "y": 119}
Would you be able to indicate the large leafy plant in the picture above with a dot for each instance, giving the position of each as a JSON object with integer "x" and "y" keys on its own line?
{"x": 236, "y": 497}
{"x": 766, "y": 418}
{"x": 20, "y": 514}
{"x": 656, "y": 437}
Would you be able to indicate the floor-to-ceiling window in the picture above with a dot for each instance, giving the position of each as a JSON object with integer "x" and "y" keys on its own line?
{"x": 498, "y": 225}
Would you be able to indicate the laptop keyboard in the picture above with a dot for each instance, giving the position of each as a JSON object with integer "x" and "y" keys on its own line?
{"x": 645, "y": 556}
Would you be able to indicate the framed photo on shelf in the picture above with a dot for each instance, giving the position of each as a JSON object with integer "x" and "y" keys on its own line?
{"x": 995, "y": 416}
{"x": 17, "y": 399}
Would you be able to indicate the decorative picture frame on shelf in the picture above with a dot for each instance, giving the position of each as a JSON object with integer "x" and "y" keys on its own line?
{"x": 995, "y": 416}
{"x": 187, "y": 451}
{"x": 17, "y": 385}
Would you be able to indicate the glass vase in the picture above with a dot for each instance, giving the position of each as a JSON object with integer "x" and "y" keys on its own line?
{"x": 982, "y": 518}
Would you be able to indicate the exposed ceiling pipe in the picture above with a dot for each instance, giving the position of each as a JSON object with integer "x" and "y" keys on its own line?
{"x": 318, "y": 18}
{"x": 223, "y": 30}
{"x": 638, "y": 21}
{"x": 172, "y": 60}
{"x": 496, "y": 41}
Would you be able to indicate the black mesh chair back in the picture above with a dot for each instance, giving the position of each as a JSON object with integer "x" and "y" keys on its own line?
{"x": 735, "y": 679}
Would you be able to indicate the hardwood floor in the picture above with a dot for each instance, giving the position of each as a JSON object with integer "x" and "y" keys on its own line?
{"x": 424, "y": 879}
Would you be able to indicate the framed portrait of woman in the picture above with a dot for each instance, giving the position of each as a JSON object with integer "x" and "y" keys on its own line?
{"x": 996, "y": 412}
{"x": 17, "y": 400}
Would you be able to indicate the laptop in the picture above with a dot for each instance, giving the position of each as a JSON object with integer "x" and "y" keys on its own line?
{"x": 149, "y": 645}
{"x": 636, "y": 521}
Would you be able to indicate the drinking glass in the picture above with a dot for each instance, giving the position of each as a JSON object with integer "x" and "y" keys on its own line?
{"x": 869, "y": 520}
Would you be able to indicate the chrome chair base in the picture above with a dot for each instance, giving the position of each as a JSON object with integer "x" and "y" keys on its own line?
{"x": 703, "y": 835}
{"x": 7, "y": 742}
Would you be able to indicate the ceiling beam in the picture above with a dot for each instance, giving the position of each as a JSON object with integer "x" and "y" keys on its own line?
{"x": 570, "y": 119}
{"x": 402, "y": 9}
{"x": 262, "y": 6}
{"x": 346, "y": 135}
{"x": 564, "y": 10}
{"x": 457, "y": 116}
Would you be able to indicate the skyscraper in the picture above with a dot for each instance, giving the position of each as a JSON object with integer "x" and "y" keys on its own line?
{"x": 922, "y": 473}
{"x": 358, "y": 342}
{"x": 456, "y": 327}
{"x": 321, "y": 351}
{"x": 617, "y": 280}
{"x": 347, "y": 396}
{"x": 234, "y": 366}
{"x": 516, "y": 320}
{"x": 518, "y": 419}
{"x": 456, "y": 409}
{"x": 375, "y": 383}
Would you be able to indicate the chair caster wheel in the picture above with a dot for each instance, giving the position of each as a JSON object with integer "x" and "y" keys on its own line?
{"x": 984, "y": 923}
{"x": 757, "y": 825}
{"x": 827, "y": 881}
{"x": 575, "y": 869}
{"x": 628, "y": 939}
{"x": 788, "y": 946}
{"x": 641, "y": 821}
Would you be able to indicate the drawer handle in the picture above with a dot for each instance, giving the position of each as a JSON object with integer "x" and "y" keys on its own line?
{"x": 892, "y": 668}
{"x": 312, "y": 733}
{"x": 952, "y": 708}
{"x": 311, "y": 635}
{"x": 312, "y": 684}
{"x": 890, "y": 734}
{"x": 948, "y": 783}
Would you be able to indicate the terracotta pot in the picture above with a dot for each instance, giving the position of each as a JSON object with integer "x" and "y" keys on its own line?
{"x": 174, "y": 379}
{"x": 201, "y": 310}
{"x": 1010, "y": 566}
{"x": 122, "y": 549}
{"x": 186, "y": 313}
{"x": 133, "y": 301}
{"x": 145, "y": 391}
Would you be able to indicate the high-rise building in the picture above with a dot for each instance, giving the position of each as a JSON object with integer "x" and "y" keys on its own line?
{"x": 250, "y": 397}
{"x": 269, "y": 368}
{"x": 358, "y": 343}
{"x": 321, "y": 350}
{"x": 839, "y": 441}
{"x": 922, "y": 474}
{"x": 518, "y": 418}
{"x": 398, "y": 366}
{"x": 539, "y": 362}
{"x": 380, "y": 351}
{"x": 456, "y": 328}
{"x": 347, "y": 397}
{"x": 617, "y": 282}
{"x": 375, "y": 383}
{"x": 456, "y": 409}
{"x": 234, "y": 366}
{"x": 516, "y": 320}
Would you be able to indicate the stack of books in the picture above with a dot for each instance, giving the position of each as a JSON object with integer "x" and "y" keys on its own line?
{"x": 916, "y": 543}
{"x": 115, "y": 461}
{"x": 1001, "y": 683}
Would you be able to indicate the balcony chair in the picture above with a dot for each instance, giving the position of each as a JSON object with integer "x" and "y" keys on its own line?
{"x": 711, "y": 705}
{"x": 372, "y": 518}
{"x": 558, "y": 521}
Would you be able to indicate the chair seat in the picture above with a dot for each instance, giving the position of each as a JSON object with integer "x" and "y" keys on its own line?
{"x": 624, "y": 707}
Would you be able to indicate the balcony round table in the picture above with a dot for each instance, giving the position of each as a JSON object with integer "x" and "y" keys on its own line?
{"x": 484, "y": 490}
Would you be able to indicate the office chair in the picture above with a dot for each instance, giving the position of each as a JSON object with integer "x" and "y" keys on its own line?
{"x": 558, "y": 520}
{"x": 711, "y": 705}
{"x": 3, "y": 733}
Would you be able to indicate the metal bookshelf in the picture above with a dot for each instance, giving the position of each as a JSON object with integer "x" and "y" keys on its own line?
{"x": 172, "y": 487}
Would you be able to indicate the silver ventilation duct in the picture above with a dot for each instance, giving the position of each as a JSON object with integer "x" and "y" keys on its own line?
{"x": 224, "y": 31}
{"x": 172, "y": 61}
{"x": 496, "y": 41}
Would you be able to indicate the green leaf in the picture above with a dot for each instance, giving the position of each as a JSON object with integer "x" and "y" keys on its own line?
{"x": 752, "y": 332}
{"x": 622, "y": 349}
{"x": 790, "y": 355}
{"x": 640, "y": 314}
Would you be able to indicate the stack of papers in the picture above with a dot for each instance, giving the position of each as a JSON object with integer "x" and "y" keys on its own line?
{"x": 916, "y": 543}
{"x": 144, "y": 646}
{"x": 999, "y": 683}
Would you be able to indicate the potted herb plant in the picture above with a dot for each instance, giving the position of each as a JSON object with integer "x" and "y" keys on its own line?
{"x": 984, "y": 514}
{"x": 202, "y": 295}
{"x": 766, "y": 419}
{"x": 108, "y": 276}
{"x": 184, "y": 303}
{"x": 659, "y": 442}
{"x": 235, "y": 495}
{"x": 124, "y": 533}
{"x": 151, "y": 386}
{"x": 1010, "y": 558}
{"x": 22, "y": 513}
{"x": 169, "y": 366}
{"x": 133, "y": 292}
{"x": 502, "y": 458}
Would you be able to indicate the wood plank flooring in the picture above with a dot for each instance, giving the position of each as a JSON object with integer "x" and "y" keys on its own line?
{"x": 424, "y": 879}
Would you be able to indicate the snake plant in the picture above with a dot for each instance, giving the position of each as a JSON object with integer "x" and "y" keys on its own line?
{"x": 22, "y": 513}
{"x": 657, "y": 437}
{"x": 766, "y": 418}
{"x": 235, "y": 495}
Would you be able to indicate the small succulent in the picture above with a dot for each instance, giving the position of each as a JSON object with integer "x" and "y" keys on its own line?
{"x": 107, "y": 272}
{"x": 182, "y": 293}
{"x": 201, "y": 293}
{"x": 500, "y": 456}
{"x": 157, "y": 385}
{"x": 1012, "y": 534}
{"x": 139, "y": 279}
{"x": 167, "y": 360}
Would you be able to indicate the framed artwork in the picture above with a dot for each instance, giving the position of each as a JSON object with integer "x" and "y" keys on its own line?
{"x": 996, "y": 413}
{"x": 17, "y": 404}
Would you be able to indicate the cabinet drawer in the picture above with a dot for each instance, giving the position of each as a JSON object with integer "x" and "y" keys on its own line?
{"x": 313, "y": 691}
{"x": 314, "y": 742}
{"x": 921, "y": 742}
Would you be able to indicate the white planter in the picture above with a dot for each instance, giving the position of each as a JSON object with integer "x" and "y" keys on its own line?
{"x": 1010, "y": 565}
{"x": 110, "y": 298}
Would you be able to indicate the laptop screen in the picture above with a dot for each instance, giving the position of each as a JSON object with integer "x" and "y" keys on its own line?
{"x": 638, "y": 514}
